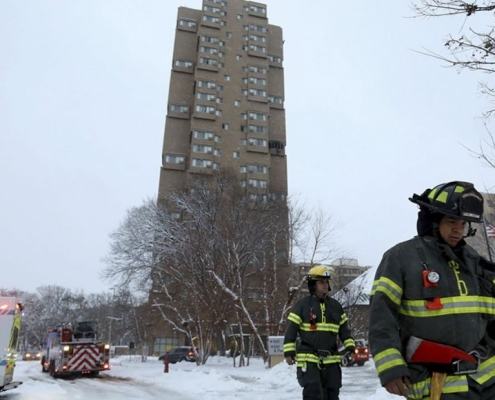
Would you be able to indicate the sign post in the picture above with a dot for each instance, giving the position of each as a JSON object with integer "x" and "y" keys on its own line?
{"x": 275, "y": 350}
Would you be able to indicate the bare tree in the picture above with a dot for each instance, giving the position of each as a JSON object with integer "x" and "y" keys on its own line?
{"x": 471, "y": 48}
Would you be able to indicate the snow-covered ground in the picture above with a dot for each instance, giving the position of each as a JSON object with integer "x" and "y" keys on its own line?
{"x": 132, "y": 379}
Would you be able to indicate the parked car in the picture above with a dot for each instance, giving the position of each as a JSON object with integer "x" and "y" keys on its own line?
{"x": 182, "y": 353}
{"x": 360, "y": 356}
{"x": 31, "y": 355}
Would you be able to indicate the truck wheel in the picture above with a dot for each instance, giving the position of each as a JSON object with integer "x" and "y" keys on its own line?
{"x": 43, "y": 368}
{"x": 51, "y": 369}
{"x": 360, "y": 364}
{"x": 182, "y": 359}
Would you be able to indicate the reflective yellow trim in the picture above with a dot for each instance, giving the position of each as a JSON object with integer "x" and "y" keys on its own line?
{"x": 289, "y": 347}
{"x": 308, "y": 357}
{"x": 485, "y": 372}
{"x": 294, "y": 318}
{"x": 451, "y": 306}
{"x": 320, "y": 326}
{"x": 387, "y": 359}
{"x": 388, "y": 287}
{"x": 453, "y": 384}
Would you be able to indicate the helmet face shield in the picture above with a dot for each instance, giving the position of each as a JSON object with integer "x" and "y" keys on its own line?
{"x": 454, "y": 199}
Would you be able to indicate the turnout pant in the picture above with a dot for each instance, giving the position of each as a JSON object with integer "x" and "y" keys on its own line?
{"x": 320, "y": 384}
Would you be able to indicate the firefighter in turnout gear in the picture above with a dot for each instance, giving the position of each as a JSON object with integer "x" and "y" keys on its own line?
{"x": 318, "y": 320}
{"x": 431, "y": 300}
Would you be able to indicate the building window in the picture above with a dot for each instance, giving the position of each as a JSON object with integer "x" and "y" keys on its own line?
{"x": 208, "y": 61}
{"x": 209, "y": 39}
{"x": 260, "y": 49}
{"x": 275, "y": 99}
{"x": 179, "y": 109}
{"x": 216, "y": 166}
{"x": 226, "y": 78}
{"x": 239, "y": 16}
{"x": 221, "y": 43}
{"x": 209, "y": 18}
{"x": 217, "y": 152}
{"x": 187, "y": 23}
{"x": 197, "y": 162}
{"x": 257, "y": 69}
{"x": 257, "y": 183}
{"x": 257, "y": 92}
{"x": 211, "y": 9}
{"x": 258, "y": 28}
{"x": 200, "y": 148}
{"x": 209, "y": 50}
{"x": 238, "y": 57}
{"x": 219, "y": 100}
{"x": 258, "y": 129}
{"x": 257, "y": 142}
{"x": 207, "y": 84}
{"x": 244, "y": 81}
{"x": 257, "y": 81}
{"x": 225, "y": 127}
{"x": 175, "y": 159}
{"x": 242, "y": 142}
{"x": 218, "y": 113}
{"x": 257, "y": 9}
{"x": 205, "y": 109}
{"x": 257, "y": 169}
{"x": 221, "y": 65}
{"x": 228, "y": 34}
{"x": 258, "y": 116}
{"x": 275, "y": 59}
{"x": 220, "y": 88}
{"x": 236, "y": 154}
{"x": 242, "y": 183}
{"x": 183, "y": 64}
{"x": 203, "y": 135}
{"x": 218, "y": 138}
{"x": 206, "y": 96}
{"x": 237, "y": 103}
{"x": 244, "y": 92}
{"x": 223, "y": 23}
{"x": 242, "y": 169}
{"x": 258, "y": 38}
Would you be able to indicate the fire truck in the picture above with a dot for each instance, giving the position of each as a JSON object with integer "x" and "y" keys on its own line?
{"x": 360, "y": 355}
{"x": 74, "y": 349}
{"x": 10, "y": 326}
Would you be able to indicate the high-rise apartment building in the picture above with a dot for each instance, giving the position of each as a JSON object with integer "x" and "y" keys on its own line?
{"x": 226, "y": 98}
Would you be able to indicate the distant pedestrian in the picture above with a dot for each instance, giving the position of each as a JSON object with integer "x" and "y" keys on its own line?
{"x": 432, "y": 299}
{"x": 319, "y": 321}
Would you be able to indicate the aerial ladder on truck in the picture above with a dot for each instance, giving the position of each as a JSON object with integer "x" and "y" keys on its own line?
{"x": 74, "y": 349}
{"x": 10, "y": 327}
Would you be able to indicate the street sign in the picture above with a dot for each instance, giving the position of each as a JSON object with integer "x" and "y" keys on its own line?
{"x": 275, "y": 345}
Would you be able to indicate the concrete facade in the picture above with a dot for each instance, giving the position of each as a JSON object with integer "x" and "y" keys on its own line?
{"x": 226, "y": 98}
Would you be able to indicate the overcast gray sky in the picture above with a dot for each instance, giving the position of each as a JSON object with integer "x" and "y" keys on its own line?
{"x": 83, "y": 90}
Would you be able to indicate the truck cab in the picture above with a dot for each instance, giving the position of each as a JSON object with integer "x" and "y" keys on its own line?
{"x": 10, "y": 327}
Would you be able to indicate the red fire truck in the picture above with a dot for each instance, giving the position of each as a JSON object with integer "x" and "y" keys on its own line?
{"x": 360, "y": 355}
{"x": 74, "y": 349}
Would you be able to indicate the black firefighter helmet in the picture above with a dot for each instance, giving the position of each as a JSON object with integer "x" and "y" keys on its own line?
{"x": 454, "y": 199}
